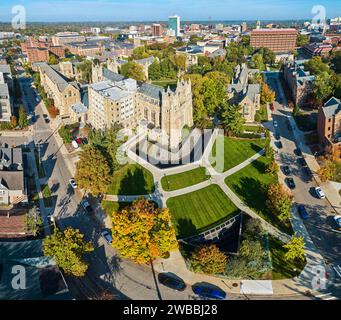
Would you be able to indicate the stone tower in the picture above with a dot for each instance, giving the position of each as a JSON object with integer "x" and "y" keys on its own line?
{"x": 97, "y": 73}
{"x": 113, "y": 65}
{"x": 177, "y": 111}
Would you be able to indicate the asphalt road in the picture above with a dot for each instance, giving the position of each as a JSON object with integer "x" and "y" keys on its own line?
{"x": 320, "y": 224}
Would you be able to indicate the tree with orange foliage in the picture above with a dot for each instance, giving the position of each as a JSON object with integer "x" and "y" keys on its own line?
{"x": 208, "y": 259}
{"x": 143, "y": 232}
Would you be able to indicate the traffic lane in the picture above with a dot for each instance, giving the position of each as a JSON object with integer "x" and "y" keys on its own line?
{"x": 137, "y": 281}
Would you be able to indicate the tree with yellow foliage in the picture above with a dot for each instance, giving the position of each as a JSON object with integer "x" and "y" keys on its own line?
{"x": 143, "y": 232}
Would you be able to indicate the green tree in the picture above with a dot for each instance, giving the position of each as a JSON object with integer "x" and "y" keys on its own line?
{"x": 272, "y": 168}
{"x": 68, "y": 248}
{"x": 302, "y": 40}
{"x": 22, "y": 121}
{"x": 92, "y": 170}
{"x": 336, "y": 61}
{"x": 154, "y": 70}
{"x": 53, "y": 59}
{"x": 232, "y": 119}
{"x": 33, "y": 221}
{"x": 295, "y": 249}
{"x": 142, "y": 232}
{"x": 327, "y": 170}
{"x": 133, "y": 70}
{"x": 208, "y": 259}
{"x": 323, "y": 86}
{"x": 65, "y": 134}
{"x": 140, "y": 53}
{"x": 316, "y": 66}
{"x": 257, "y": 62}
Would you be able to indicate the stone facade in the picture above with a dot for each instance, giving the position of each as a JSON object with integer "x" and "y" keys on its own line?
{"x": 64, "y": 93}
{"x": 299, "y": 81}
{"x": 113, "y": 99}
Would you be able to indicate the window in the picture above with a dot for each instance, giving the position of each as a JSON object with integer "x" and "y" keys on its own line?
{"x": 2, "y": 192}
{"x": 146, "y": 114}
{"x": 329, "y": 128}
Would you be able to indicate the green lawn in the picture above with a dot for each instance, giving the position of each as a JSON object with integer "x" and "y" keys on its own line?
{"x": 250, "y": 185}
{"x": 282, "y": 269}
{"x": 185, "y": 179}
{"x": 109, "y": 206}
{"x": 237, "y": 150}
{"x": 132, "y": 179}
{"x": 165, "y": 83}
{"x": 252, "y": 128}
{"x": 47, "y": 196}
{"x": 195, "y": 212}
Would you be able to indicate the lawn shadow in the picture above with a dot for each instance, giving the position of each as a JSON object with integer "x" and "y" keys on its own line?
{"x": 133, "y": 183}
{"x": 185, "y": 228}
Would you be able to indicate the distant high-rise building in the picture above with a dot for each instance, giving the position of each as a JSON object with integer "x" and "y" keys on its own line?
{"x": 258, "y": 25}
{"x": 174, "y": 24}
{"x": 219, "y": 27}
{"x": 157, "y": 30}
{"x": 244, "y": 27}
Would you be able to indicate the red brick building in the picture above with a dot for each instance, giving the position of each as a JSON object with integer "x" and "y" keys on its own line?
{"x": 278, "y": 40}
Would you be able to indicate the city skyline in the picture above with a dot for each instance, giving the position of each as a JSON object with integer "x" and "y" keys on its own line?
{"x": 137, "y": 10}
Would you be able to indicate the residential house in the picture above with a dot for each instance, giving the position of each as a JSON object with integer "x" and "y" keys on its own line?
{"x": 12, "y": 182}
{"x": 240, "y": 92}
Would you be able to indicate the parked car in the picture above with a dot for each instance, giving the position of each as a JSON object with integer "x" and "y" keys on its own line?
{"x": 86, "y": 205}
{"x": 279, "y": 145}
{"x": 37, "y": 99}
{"x": 272, "y": 107}
{"x": 301, "y": 162}
{"x": 320, "y": 193}
{"x": 172, "y": 281}
{"x": 337, "y": 220}
{"x": 303, "y": 212}
{"x": 208, "y": 292}
{"x": 107, "y": 236}
{"x": 277, "y": 136}
{"x": 75, "y": 144}
{"x": 298, "y": 152}
{"x": 79, "y": 141}
{"x": 291, "y": 183}
{"x": 73, "y": 183}
{"x": 286, "y": 170}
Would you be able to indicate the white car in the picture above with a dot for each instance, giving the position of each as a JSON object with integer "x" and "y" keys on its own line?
{"x": 337, "y": 220}
{"x": 75, "y": 144}
{"x": 107, "y": 236}
{"x": 320, "y": 193}
{"x": 275, "y": 124}
{"x": 73, "y": 183}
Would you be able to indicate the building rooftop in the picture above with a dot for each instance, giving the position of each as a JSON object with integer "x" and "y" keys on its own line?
{"x": 275, "y": 30}
{"x": 5, "y": 68}
{"x": 4, "y": 90}
{"x": 332, "y": 107}
{"x": 152, "y": 91}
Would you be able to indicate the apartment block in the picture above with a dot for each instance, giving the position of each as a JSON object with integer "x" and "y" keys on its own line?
{"x": 278, "y": 40}
{"x": 6, "y": 86}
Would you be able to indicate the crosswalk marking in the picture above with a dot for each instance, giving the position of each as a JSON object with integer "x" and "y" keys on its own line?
{"x": 326, "y": 296}
{"x": 337, "y": 269}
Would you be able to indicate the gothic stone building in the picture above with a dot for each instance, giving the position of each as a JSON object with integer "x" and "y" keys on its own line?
{"x": 114, "y": 99}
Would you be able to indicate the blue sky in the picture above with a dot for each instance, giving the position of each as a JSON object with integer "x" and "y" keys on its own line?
{"x": 144, "y": 10}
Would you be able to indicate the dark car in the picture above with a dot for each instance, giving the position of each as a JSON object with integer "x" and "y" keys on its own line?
{"x": 277, "y": 136}
{"x": 172, "y": 281}
{"x": 298, "y": 152}
{"x": 47, "y": 120}
{"x": 209, "y": 292}
{"x": 286, "y": 170}
{"x": 279, "y": 144}
{"x": 301, "y": 162}
{"x": 291, "y": 183}
{"x": 303, "y": 212}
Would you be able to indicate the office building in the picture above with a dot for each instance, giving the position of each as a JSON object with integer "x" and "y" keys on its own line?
{"x": 174, "y": 24}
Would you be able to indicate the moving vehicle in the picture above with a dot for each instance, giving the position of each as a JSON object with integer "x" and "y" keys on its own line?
{"x": 337, "y": 220}
{"x": 107, "y": 236}
{"x": 286, "y": 170}
{"x": 207, "y": 292}
{"x": 37, "y": 99}
{"x": 320, "y": 193}
{"x": 291, "y": 183}
{"x": 73, "y": 183}
{"x": 303, "y": 212}
{"x": 172, "y": 281}
{"x": 275, "y": 124}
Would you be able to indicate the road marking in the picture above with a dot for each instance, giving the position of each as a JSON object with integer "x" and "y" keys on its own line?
{"x": 323, "y": 295}
{"x": 337, "y": 269}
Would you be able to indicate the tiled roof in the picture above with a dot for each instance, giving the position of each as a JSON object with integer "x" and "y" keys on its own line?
{"x": 151, "y": 90}
{"x": 112, "y": 76}
{"x": 332, "y": 107}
